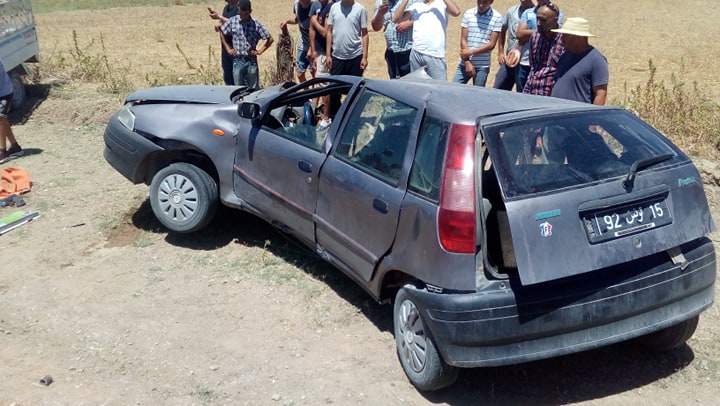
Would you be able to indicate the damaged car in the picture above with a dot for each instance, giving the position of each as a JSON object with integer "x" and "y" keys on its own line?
{"x": 502, "y": 227}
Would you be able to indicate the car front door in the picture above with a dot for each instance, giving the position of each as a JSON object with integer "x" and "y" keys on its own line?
{"x": 362, "y": 183}
{"x": 278, "y": 158}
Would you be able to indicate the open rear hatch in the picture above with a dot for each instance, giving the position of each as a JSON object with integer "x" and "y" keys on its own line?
{"x": 585, "y": 191}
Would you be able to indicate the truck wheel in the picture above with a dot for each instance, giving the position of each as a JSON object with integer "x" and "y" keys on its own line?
{"x": 184, "y": 197}
{"x": 18, "y": 99}
{"x": 416, "y": 349}
{"x": 670, "y": 337}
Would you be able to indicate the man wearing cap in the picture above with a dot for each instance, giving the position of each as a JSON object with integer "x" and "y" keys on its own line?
{"x": 582, "y": 71}
{"x": 246, "y": 33}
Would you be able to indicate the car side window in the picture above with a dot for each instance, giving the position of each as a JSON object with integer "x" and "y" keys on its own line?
{"x": 429, "y": 155}
{"x": 376, "y": 136}
{"x": 296, "y": 122}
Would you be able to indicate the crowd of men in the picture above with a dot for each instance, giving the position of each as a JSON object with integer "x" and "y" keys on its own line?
{"x": 539, "y": 51}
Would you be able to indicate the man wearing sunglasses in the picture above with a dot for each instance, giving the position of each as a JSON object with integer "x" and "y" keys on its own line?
{"x": 546, "y": 48}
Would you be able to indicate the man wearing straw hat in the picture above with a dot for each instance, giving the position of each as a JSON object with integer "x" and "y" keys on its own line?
{"x": 582, "y": 71}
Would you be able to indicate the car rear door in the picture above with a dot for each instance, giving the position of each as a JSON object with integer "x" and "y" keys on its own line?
{"x": 604, "y": 189}
{"x": 363, "y": 182}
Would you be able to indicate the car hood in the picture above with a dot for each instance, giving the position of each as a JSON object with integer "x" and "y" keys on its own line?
{"x": 186, "y": 94}
{"x": 205, "y": 94}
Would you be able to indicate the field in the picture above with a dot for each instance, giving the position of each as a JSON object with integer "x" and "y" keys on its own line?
{"x": 118, "y": 311}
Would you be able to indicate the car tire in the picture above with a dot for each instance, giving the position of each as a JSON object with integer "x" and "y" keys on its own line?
{"x": 416, "y": 349}
{"x": 184, "y": 198}
{"x": 670, "y": 337}
{"x": 18, "y": 86}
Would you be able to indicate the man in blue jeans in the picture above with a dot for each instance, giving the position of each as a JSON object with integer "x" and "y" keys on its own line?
{"x": 246, "y": 33}
{"x": 479, "y": 32}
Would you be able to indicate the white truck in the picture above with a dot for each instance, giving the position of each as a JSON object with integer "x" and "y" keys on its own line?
{"x": 18, "y": 43}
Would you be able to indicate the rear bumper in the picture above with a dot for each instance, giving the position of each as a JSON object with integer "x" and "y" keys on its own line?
{"x": 512, "y": 324}
{"x": 125, "y": 150}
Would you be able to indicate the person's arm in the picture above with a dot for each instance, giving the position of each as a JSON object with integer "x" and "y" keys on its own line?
{"x": 328, "y": 46}
{"x": 400, "y": 13}
{"x": 378, "y": 20}
{"x": 365, "y": 46}
{"x": 290, "y": 21}
{"x": 452, "y": 8}
{"x": 600, "y": 95}
{"x": 466, "y": 52}
{"x": 501, "y": 44}
{"x": 311, "y": 34}
{"x": 523, "y": 33}
{"x": 268, "y": 43}
{"x": 229, "y": 49}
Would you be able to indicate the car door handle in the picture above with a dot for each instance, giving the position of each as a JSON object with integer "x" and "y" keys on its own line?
{"x": 380, "y": 205}
{"x": 305, "y": 166}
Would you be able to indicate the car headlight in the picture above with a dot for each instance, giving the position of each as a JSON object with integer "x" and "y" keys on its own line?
{"x": 126, "y": 117}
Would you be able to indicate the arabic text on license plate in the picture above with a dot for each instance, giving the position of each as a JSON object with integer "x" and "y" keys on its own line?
{"x": 631, "y": 219}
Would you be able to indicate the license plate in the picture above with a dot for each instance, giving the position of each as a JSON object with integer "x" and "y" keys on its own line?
{"x": 620, "y": 221}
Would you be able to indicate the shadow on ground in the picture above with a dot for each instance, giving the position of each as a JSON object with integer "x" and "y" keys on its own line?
{"x": 573, "y": 378}
{"x": 35, "y": 95}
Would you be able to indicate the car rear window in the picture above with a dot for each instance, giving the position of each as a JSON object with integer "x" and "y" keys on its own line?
{"x": 543, "y": 154}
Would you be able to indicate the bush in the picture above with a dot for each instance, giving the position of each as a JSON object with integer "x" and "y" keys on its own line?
{"x": 685, "y": 115}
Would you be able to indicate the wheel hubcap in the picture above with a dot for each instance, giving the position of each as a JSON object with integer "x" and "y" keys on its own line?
{"x": 412, "y": 347}
{"x": 177, "y": 197}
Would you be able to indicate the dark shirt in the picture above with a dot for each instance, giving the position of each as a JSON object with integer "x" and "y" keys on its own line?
{"x": 228, "y": 11}
{"x": 578, "y": 74}
{"x": 322, "y": 13}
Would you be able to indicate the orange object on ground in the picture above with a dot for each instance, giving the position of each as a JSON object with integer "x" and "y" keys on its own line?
{"x": 15, "y": 181}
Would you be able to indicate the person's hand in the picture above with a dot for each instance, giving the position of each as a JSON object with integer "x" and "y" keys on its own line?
{"x": 465, "y": 54}
{"x": 383, "y": 8}
{"x": 283, "y": 24}
{"x": 404, "y": 25}
{"x": 501, "y": 57}
{"x": 363, "y": 63}
{"x": 328, "y": 63}
{"x": 217, "y": 28}
{"x": 469, "y": 68}
{"x": 311, "y": 55}
{"x": 213, "y": 14}
{"x": 231, "y": 51}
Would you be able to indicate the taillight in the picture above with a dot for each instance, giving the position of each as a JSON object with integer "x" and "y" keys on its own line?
{"x": 456, "y": 217}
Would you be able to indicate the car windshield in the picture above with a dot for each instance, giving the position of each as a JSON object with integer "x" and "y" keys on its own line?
{"x": 543, "y": 154}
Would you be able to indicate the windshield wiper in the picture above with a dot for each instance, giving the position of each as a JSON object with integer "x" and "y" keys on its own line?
{"x": 642, "y": 164}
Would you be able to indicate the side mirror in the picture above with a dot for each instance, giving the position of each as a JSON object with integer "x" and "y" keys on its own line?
{"x": 249, "y": 110}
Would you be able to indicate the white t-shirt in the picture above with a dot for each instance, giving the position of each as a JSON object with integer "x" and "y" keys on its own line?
{"x": 429, "y": 27}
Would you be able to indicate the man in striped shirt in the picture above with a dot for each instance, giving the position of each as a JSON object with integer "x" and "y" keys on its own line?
{"x": 479, "y": 32}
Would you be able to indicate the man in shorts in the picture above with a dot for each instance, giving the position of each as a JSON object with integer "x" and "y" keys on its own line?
{"x": 6, "y": 134}
{"x": 302, "y": 10}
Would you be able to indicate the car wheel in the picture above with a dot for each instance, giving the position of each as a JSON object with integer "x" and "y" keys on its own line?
{"x": 416, "y": 349}
{"x": 670, "y": 337}
{"x": 18, "y": 99}
{"x": 184, "y": 197}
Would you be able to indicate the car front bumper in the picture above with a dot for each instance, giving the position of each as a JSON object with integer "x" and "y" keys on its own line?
{"x": 125, "y": 150}
{"x": 511, "y": 324}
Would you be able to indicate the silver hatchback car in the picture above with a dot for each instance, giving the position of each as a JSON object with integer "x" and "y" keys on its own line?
{"x": 504, "y": 227}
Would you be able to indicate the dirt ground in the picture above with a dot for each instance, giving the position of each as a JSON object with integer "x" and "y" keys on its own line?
{"x": 96, "y": 294}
